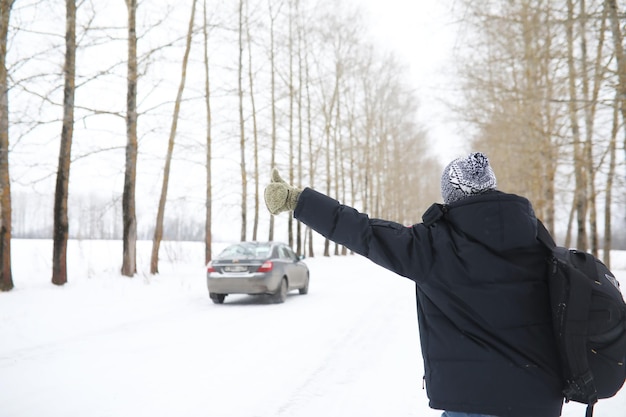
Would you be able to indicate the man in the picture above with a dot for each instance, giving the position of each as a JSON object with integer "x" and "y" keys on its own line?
{"x": 482, "y": 295}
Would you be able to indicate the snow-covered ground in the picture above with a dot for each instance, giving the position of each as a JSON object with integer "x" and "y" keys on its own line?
{"x": 106, "y": 345}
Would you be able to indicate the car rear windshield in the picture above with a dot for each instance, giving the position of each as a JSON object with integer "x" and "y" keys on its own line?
{"x": 245, "y": 250}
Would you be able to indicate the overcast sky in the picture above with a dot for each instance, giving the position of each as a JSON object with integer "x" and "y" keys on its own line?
{"x": 422, "y": 34}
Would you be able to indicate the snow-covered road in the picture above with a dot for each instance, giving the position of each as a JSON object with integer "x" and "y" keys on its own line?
{"x": 104, "y": 345}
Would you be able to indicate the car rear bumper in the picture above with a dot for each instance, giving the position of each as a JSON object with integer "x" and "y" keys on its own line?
{"x": 242, "y": 284}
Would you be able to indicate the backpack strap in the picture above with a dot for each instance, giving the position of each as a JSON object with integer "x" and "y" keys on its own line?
{"x": 435, "y": 212}
{"x": 544, "y": 236}
{"x": 582, "y": 385}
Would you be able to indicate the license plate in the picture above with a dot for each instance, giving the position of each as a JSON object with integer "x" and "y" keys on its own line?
{"x": 236, "y": 268}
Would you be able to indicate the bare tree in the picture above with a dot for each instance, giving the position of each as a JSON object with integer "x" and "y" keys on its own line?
{"x": 619, "y": 106}
{"x": 158, "y": 231}
{"x": 6, "y": 278}
{"x": 620, "y": 56}
{"x": 273, "y": 15}
{"x": 580, "y": 196}
{"x": 593, "y": 75}
{"x": 291, "y": 93}
{"x": 129, "y": 256}
{"x": 610, "y": 176}
{"x": 328, "y": 133}
{"x": 317, "y": 98}
{"x": 300, "y": 42}
{"x": 61, "y": 226}
{"x": 306, "y": 82}
{"x": 536, "y": 99}
{"x": 510, "y": 95}
{"x": 242, "y": 135}
{"x": 328, "y": 106}
{"x": 209, "y": 190}
{"x": 255, "y": 133}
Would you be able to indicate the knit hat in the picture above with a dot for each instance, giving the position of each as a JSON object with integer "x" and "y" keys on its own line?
{"x": 464, "y": 177}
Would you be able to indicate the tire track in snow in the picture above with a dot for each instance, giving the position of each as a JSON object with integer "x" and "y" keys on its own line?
{"x": 342, "y": 368}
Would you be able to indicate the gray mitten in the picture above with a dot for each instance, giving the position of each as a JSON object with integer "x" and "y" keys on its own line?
{"x": 280, "y": 196}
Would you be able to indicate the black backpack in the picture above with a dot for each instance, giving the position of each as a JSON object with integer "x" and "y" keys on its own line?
{"x": 589, "y": 318}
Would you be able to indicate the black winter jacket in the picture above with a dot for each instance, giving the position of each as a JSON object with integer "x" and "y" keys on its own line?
{"x": 482, "y": 298}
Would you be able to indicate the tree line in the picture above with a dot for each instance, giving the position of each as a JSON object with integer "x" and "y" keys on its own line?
{"x": 162, "y": 102}
{"x": 543, "y": 87}
{"x": 96, "y": 216}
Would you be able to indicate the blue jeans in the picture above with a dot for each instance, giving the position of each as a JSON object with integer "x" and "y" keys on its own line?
{"x": 455, "y": 414}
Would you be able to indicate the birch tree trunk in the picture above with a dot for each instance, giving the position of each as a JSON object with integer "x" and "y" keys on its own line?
{"x": 608, "y": 196}
{"x": 309, "y": 136}
{"x": 328, "y": 121}
{"x": 620, "y": 103}
{"x": 620, "y": 57}
{"x": 272, "y": 16}
{"x": 129, "y": 237}
{"x": 291, "y": 89}
{"x": 580, "y": 195}
{"x": 158, "y": 230}
{"x": 255, "y": 136}
{"x": 300, "y": 35}
{"x": 209, "y": 191}
{"x": 242, "y": 137}
{"x": 61, "y": 225}
{"x": 594, "y": 75}
{"x": 6, "y": 276}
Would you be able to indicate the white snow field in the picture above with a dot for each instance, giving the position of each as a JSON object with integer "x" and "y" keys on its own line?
{"x": 105, "y": 345}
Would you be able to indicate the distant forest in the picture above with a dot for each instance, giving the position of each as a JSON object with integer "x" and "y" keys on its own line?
{"x": 95, "y": 216}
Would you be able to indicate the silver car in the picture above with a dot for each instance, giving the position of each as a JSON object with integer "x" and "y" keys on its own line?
{"x": 257, "y": 268}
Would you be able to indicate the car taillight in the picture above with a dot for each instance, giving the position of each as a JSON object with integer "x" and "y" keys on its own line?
{"x": 266, "y": 267}
{"x": 210, "y": 268}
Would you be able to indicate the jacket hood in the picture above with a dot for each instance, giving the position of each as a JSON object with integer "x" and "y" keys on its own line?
{"x": 497, "y": 220}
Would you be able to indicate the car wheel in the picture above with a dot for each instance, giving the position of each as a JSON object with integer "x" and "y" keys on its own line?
{"x": 305, "y": 288}
{"x": 217, "y": 298}
{"x": 281, "y": 294}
